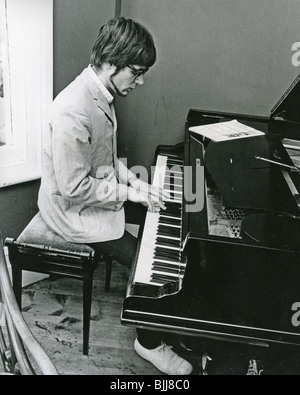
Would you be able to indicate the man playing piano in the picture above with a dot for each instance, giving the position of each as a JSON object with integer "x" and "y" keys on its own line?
{"x": 84, "y": 185}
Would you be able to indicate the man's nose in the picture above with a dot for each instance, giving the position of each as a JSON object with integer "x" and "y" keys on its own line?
{"x": 140, "y": 80}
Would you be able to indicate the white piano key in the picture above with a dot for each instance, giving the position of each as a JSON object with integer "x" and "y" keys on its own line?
{"x": 144, "y": 267}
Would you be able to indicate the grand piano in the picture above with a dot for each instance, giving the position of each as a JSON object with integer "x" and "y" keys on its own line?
{"x": 222, "y": 263}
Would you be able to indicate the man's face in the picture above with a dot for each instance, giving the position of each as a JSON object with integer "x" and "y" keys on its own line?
{"x": 127, "y": 79}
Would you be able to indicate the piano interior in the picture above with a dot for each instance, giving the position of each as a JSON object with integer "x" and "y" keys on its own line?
{"x": 223, "y": 260}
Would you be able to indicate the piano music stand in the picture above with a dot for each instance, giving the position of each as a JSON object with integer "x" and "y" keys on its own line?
{"x": 38, "y": 249}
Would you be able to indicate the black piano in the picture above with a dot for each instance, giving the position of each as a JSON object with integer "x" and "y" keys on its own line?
{"x": 222, "y": 262}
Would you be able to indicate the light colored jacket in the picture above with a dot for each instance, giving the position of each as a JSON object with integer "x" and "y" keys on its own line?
{"x": 84, "y": 185}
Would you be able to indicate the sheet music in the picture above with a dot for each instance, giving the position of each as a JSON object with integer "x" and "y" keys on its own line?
{"x": 224, "y": 131}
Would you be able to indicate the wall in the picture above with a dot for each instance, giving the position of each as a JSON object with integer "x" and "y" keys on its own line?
{"x": 18, "y": 206}
{"x": 224, "y": 55}
{"x": 76, "y": 25}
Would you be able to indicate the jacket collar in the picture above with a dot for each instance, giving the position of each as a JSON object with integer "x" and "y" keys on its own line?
{"x": 96, "y": 92}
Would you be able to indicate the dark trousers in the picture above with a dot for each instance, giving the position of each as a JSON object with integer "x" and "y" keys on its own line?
{"x": 123, "y": 251}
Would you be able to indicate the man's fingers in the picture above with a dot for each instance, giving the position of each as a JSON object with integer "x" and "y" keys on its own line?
{"x": 159, "y": 193}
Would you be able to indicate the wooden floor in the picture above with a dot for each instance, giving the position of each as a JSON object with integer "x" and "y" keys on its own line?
{"x": 53, "y": 312}
{"x": 52, "y": 309}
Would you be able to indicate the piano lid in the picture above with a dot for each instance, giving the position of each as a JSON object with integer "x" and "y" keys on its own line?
{"x": 287, "y": 107}
{"x": 285, "y": 115}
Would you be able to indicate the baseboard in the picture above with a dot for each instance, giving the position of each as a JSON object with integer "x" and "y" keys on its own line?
{"x": 28, "y": 278}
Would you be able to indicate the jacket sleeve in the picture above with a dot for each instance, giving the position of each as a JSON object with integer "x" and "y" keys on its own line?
{"x": 72, "y": 157}
{"x": 125, "y": 176}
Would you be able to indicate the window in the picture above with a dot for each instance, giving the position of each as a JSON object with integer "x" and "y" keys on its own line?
{"x": 26, "y": 69}
{"x": 2, "y": 108}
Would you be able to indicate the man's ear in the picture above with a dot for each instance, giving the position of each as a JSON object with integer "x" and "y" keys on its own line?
{"x": 109, "y": 69}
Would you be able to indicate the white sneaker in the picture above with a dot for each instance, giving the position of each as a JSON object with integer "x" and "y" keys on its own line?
{"x": 164, "y": 359}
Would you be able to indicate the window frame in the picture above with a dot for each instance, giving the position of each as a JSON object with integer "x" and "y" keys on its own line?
{"x": 28, "y": 79}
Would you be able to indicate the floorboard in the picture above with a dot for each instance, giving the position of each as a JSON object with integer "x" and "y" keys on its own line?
{"x": 53, "y": 310}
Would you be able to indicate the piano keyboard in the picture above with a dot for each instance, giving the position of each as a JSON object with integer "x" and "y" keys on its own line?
{"x": 160, "y": 260}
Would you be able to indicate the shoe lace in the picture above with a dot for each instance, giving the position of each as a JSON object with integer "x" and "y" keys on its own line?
{"x": 205, "y": 359}
{"x": 167, "y": 349}
{"x": 253, "y": 368}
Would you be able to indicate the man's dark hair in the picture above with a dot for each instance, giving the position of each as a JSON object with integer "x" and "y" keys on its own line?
{"x": 122, "y": 42}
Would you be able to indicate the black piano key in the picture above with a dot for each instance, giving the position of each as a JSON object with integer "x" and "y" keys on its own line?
{"x": 170, "y": 214}
{"x": 162, "y": 269}
{"x": 166, "y": 226}
{"x": 174, "y": 155}
{"x": 171, "y": 266}
{"x": 167, "y": 248}
{"x": 173, "y": 172}
{"x": 162, "y": 257}
{"x": 170, "y": 221}
{"x": 168, "y": 231}
{"x": 172, "y": 177}
{"x": 170, "y": 257}
{"x": 173, "y": 161}
{"x": 174, "y": 195}
{"x": 174, "y": 165}
{"x": 166, "y": 234}
{"x": 167, "y": 264}
{"x": 166, "y": 253}
{"x": 163, "y": 266}
{"x": 169, "y": 228}
{"x": 163, "y": 278}
{"x": 168, "y": 261}
{"x": 167, "y": 242}
{"x": 171, "y": 209}
{"x": 177, "y": 187}
{"x": 168, "y": 239}
{"x": 173, "y": 205}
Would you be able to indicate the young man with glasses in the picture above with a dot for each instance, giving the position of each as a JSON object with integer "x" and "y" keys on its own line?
{"x": 84, "y": 184}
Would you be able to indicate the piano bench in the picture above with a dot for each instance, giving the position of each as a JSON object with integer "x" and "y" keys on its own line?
{"x": 38, "y": 249}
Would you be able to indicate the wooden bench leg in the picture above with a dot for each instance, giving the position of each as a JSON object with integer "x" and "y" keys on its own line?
{"x": 17, "y": 285}
{"x": 87, "y": 306}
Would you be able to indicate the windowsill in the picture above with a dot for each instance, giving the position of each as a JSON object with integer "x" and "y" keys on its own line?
{"x": 21, "y": 181}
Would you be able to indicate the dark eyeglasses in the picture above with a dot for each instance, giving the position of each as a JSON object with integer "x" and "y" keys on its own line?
{"x": 137, "y": 72}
